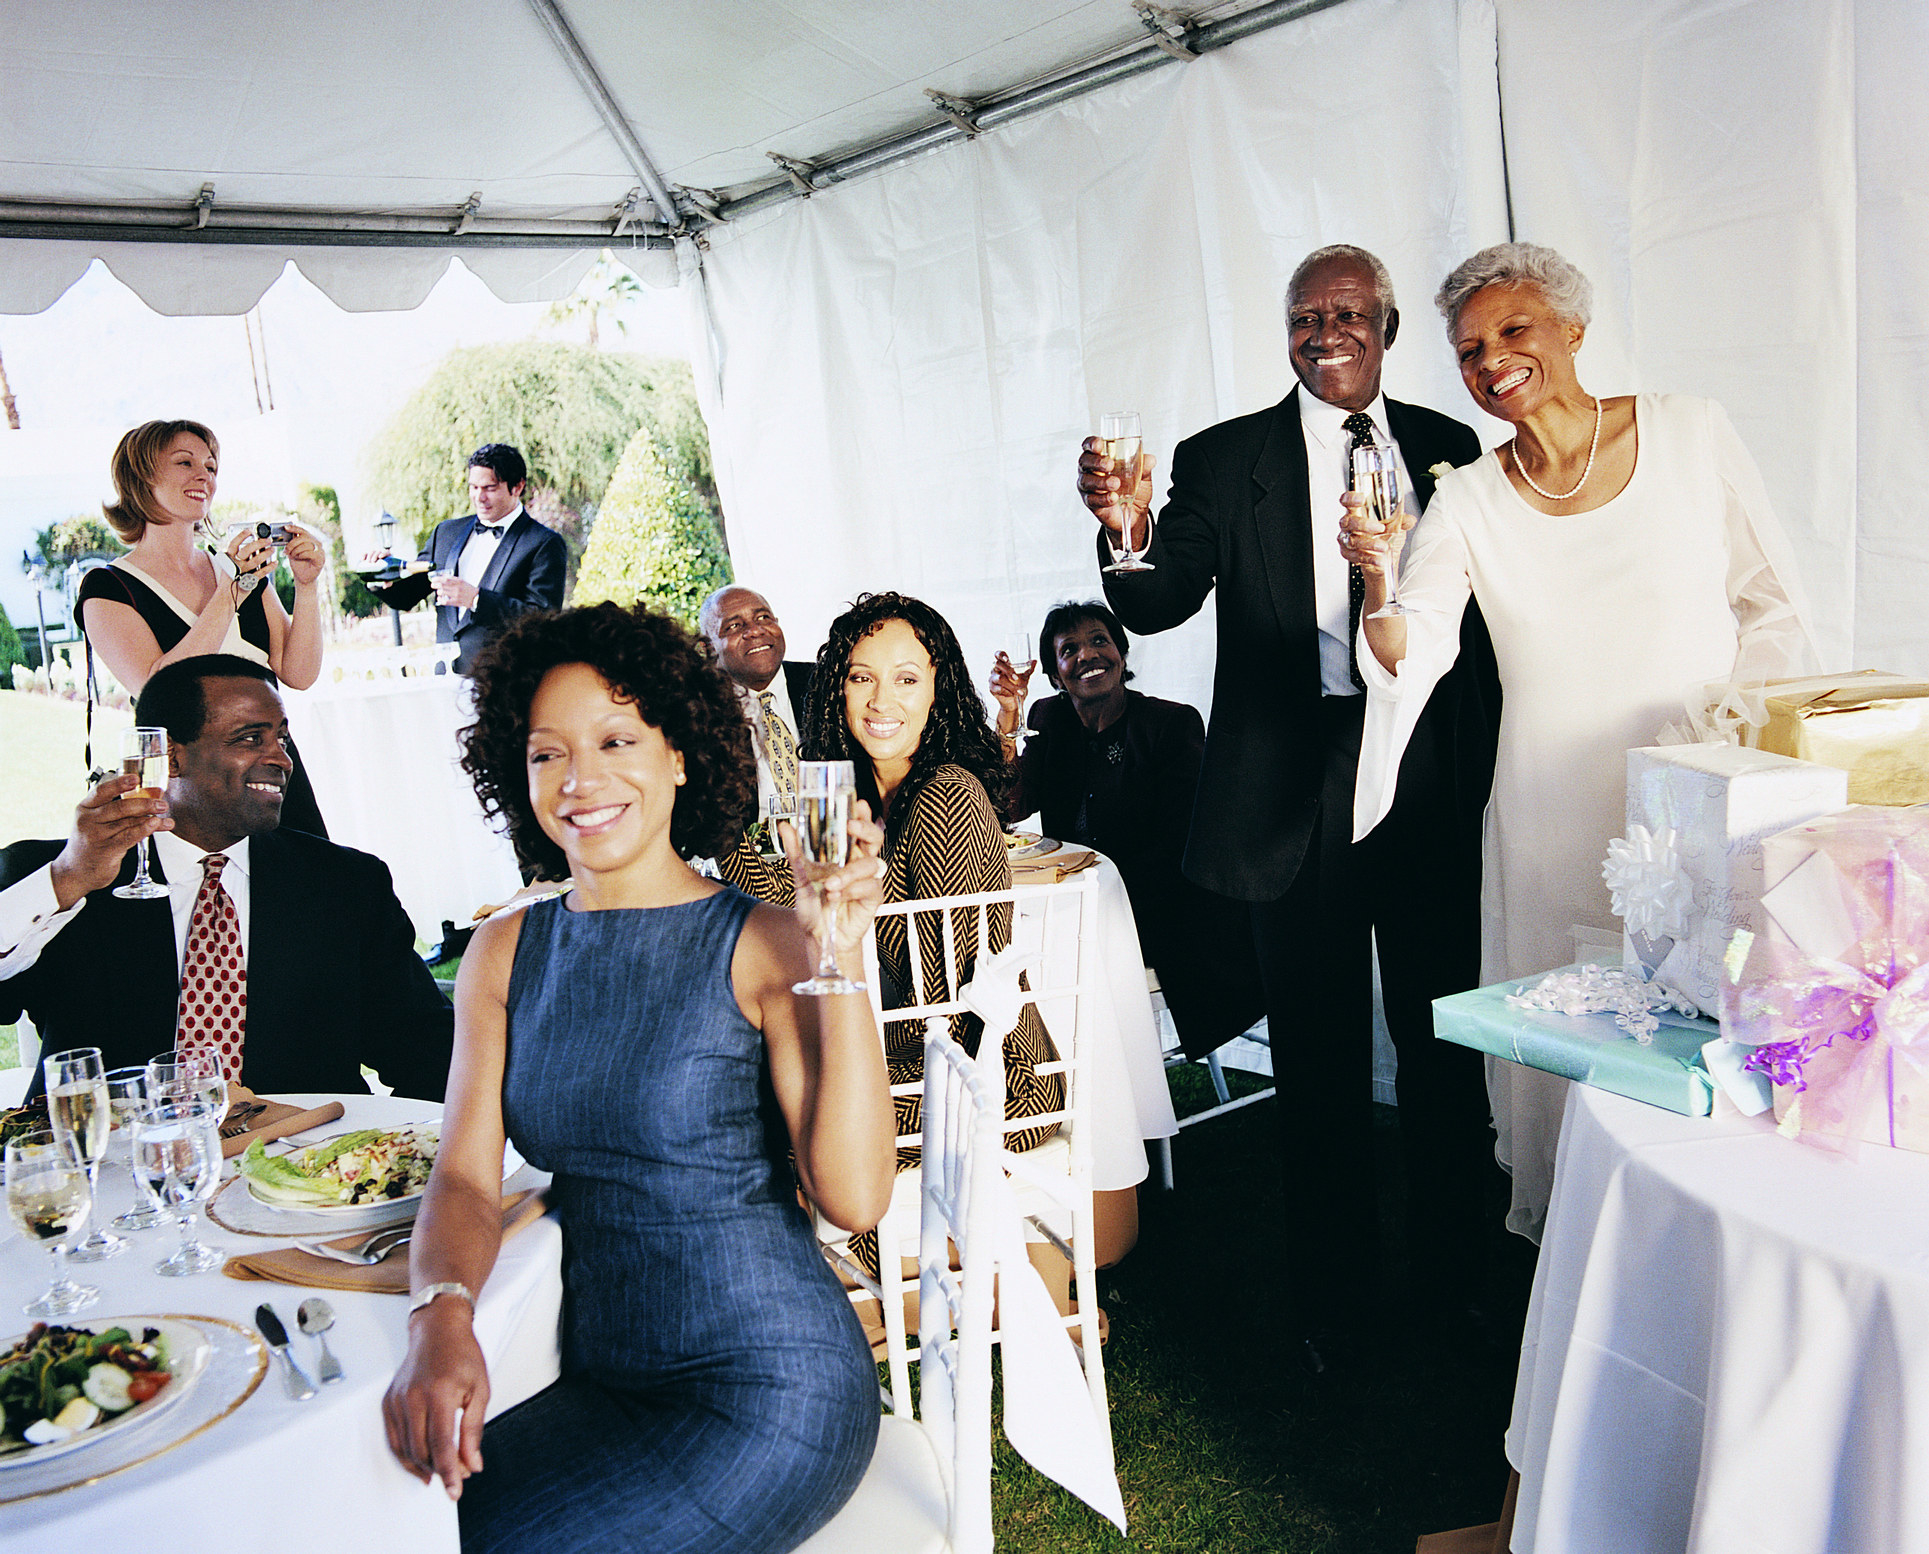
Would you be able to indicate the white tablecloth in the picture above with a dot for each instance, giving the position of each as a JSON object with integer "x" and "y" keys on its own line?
{"x": 1131, "y": 1102}
{"x": 298, "y": 1478}
{"x": 1727, "y": 1351}
{"x": 382, "y": 756}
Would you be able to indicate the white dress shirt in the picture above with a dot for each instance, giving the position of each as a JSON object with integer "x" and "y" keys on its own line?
{"x": 781, "y": 706}
{"x": 479, "y": 551}
{"x": 30, "y": 914}
{"x": 1328, "y": 479}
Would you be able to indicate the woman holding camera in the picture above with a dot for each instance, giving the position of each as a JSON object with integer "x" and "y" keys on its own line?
{"x": 167, "y": 599}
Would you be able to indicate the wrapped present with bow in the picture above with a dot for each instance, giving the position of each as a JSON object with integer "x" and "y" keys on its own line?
{"x": 1833, "y": 995}
{"x": 1688, "y": 872}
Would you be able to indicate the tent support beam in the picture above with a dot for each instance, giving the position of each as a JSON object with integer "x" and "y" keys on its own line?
{"x": 106, "y": 229}
{"x": 1007, "y": 107}
{"x": 550, "y": 14}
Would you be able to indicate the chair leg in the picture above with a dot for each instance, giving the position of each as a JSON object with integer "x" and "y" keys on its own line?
{"x": 1163, "y": 1147}
{"x": 1218, "y": 1078}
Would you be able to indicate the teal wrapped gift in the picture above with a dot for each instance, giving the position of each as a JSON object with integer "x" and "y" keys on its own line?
{"x": 1589, "y": 1048}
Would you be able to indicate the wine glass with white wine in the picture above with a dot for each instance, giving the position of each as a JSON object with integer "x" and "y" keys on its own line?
{"x": 1375, "y": 475}
{"x": 1120, "y": 442}
{"x": 826, "y": 794}
{"x": 144, "y": 758}
{"x": 48, "y": 1200}
{"x": 82, "y": 1119}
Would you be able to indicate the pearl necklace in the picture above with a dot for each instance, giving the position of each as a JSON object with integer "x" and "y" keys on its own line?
{"x": 1591, "y": 449}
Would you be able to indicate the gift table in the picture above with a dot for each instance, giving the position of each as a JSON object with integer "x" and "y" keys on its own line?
{"x": 1727, "y": 1349}
{"x": 299, "y": 1478}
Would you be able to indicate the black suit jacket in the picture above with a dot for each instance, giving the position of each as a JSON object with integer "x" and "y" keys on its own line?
{"x": 1239, "y": 518}
{"x": 333, "y": 978}
{"x": 527, "y": 574}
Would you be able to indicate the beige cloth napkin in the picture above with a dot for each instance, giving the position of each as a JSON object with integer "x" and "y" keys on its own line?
{"x": 291, "y": 1265}
{"x": 1054, "y": 867}
{"x": 277, "y": 1120}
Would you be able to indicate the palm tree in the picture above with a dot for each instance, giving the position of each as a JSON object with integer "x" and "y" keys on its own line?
{"x": 606, "y": 288}
{"x": 6, "y": 399}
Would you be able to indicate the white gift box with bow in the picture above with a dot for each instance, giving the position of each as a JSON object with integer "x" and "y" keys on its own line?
{"x": 1689, "y": 871}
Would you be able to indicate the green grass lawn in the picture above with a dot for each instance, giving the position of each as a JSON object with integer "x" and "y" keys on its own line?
{"x": 1223, "y": 1443}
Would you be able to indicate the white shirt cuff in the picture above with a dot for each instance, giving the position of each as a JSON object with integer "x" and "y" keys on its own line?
{"x": 30, "y": 915}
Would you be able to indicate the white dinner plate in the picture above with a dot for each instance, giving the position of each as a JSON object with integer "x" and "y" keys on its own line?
{"x": 188, "y": 1350}
{"x": 1040, "y": 847}
{"x": 511, "y": 1163}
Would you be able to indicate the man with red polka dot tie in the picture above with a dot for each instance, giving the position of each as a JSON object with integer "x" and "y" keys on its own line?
{"x": 286, "y": 955}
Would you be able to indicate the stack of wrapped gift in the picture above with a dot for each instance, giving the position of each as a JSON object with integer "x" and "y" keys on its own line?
{"x": 1686, "y": 877}
{"x": 1874, "y": 726}
{"x": 1833, "y": 996}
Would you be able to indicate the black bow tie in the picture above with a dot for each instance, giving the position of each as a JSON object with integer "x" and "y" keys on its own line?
{"x": 493, "y": 530}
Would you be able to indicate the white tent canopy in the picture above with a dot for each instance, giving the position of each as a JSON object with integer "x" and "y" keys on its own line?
{"x": 900, "y": 367}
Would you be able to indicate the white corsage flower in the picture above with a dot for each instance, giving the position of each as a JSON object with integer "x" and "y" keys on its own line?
{"x": 1441, "y": 470}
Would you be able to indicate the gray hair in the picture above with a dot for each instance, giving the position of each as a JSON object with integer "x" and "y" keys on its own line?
{"x": 710, "y": 612}
{"x": 1568, "y": 292}
{"x": 1382, "y": 281}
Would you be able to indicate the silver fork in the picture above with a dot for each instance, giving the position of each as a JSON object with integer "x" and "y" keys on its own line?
{"x": 373, "y": 1250}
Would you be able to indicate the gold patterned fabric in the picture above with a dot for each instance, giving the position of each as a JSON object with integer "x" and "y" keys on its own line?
{"x": 780, "y": 749}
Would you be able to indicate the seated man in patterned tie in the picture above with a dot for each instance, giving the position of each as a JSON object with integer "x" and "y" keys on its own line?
{"x": 287, "y": 955}
{"x": 743, "y": 631}
{"x": 487, "y": 568}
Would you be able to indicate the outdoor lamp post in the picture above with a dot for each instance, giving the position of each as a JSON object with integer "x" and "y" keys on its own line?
{"x": 37, "y": 575}
{"x": 385, "y": 536}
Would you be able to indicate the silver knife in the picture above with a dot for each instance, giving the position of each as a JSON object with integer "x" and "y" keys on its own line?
{"x": 300, "y": 1388}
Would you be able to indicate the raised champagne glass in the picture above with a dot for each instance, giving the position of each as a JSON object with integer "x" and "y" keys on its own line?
{"x": 82, "y": 1120}
{"x": 177, "y": 1163}
{"x": 1375, "y": 471}
{"x": 48, "y": 1201}
{"x": 144, "y": 758}
{"x": 1121, "y": 444}
{"x": 826, "y": 793}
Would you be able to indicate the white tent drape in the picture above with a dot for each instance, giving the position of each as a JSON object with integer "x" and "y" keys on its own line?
{"x": 904, "y": 366}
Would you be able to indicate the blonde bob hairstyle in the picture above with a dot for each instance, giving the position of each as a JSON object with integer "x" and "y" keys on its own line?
{"x": 137, "y": 460}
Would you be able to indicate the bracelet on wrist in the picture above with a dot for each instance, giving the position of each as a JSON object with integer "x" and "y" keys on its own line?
{"x": 430, "y": 1293}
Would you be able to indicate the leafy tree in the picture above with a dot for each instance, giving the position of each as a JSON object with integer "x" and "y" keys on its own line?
{"x": 570, "y": 410}
{"x": 11, "y": 652}
{"x": 654, "y": 539}
{"x": 320, "y": 508}
{"x": 604, "y": 288}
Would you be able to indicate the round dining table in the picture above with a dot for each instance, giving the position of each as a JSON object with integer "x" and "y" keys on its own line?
{"x": 1727, "y": 1347}
{"x": 260, "y": 1469}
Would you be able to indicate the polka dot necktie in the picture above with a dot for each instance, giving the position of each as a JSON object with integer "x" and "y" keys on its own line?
{"x": 1360, "y": 426}
{"x": 214, "y": 978}
{"x": 780, "y": 750}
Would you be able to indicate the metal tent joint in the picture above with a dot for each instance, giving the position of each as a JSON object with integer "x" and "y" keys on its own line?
{"x": 798, "y": 170}
{"x": 466, "y": 217}
{"x": 1171, "y": 30}
{"x": 961, "y": 111}
{"x": 203, "y": 206}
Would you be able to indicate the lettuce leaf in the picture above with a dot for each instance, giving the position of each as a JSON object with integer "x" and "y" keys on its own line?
{"x": 277, "y": 1177}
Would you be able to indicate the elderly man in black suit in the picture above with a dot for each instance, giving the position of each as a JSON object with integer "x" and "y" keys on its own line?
{"x": 745, "y": 634}
{"x": 489, "y": 567}
{"x": 1254, "y": 510}
{"x": 286, "y": 955}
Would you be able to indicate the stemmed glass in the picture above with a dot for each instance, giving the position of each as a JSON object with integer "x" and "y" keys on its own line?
{"x": 48, "y": 1198}
{"x": 77, "y": 1105}
{"x": 188, "y": 1077}
{"x": 1375, "y": 472}
{"x": 826, "y": 792}
{"x": 144, "y": 758}
{"x": 1120, "y": 443}
{"x": 126, "y": 1095}
{"x": 177, "y": 1162}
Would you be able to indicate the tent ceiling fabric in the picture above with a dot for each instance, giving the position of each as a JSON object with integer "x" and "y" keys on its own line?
{"x": 403, "y": 110}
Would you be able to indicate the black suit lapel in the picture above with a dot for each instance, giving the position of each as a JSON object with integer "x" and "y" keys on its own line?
{"x": 517, "y": 539}
{"x": 278, "y": 945}
{"x": 1419, "y": 451}
{"x": 1282, "y": 509}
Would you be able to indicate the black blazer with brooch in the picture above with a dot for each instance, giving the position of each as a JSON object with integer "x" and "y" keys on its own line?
{"x": 1199, "y": 942}
{"x": 1239, "y": 517}
{"x": 333, "y": 978}
{"x": 527, "y": 574}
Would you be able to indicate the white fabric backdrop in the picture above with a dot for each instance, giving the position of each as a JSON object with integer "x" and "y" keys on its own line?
{"x": 902, "y": 367}
{"x": 908, "y": 363}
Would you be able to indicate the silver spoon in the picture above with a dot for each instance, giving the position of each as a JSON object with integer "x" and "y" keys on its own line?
{"x": 315, "y": 1317}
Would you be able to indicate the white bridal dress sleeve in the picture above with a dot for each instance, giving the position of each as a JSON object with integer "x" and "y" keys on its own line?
{"x": 1604, "y": 624}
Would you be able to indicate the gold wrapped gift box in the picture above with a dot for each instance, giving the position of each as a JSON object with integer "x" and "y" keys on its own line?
{"x": 1872, "y": 725}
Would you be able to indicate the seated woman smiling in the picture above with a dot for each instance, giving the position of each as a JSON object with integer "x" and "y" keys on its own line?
{"x": 638, "y": 1038}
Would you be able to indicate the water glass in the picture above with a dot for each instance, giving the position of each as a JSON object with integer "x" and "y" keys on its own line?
{"x": 177, "y": 1162}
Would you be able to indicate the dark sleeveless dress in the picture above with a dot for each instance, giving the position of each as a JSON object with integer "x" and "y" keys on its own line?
{"x": 299, "y": 811}
{"x": 717, "y": 1394}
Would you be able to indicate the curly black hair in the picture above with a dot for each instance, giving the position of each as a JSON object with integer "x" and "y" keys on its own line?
{"x": 957, "y": 732}
{"x": 649, "y": 660}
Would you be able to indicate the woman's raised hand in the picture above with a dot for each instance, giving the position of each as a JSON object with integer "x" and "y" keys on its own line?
{"x": 305, "y": 555}
{"x": 857, "y": 886}
{"x": 252, "y": 556}
{"x": 1009, "y": 689}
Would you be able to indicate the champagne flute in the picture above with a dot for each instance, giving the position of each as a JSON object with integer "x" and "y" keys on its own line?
{"x": 1120, "y": 442}
{"x": 144, "y": 758}
{"x": 126, "y": 1095}
{"x": 1375, "y": 475}
{"x": 48, "y": 1200}
{"x": 826, "y": 792}
{"x": 177, "y": 1162}
{"x": 77, "y": 1106}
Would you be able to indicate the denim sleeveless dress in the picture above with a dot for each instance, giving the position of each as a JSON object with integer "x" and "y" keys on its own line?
{"x": 717, "y": 1393}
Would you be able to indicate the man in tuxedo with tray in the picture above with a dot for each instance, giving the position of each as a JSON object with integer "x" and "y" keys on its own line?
{"x": 1254, "y": 511}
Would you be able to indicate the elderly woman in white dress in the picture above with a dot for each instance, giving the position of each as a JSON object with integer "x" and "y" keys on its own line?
{"x": 1625, "y": 556}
